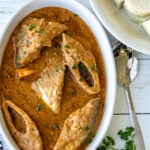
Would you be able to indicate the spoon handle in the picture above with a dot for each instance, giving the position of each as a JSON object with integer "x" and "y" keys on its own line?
{"x": 134, "y": 121}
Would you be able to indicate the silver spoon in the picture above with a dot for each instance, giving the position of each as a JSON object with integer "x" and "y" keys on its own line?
{"x": 1, "y": 146}
{"x": 127, "y": 69}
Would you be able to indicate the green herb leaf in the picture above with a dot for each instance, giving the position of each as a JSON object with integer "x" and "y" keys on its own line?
{"x": 91, "y": 135}
{"x": 108, "y": 142}
{"x": 130, "y": 145}
{"x": 76, "y": 15}
{"x": 8, "y": 98}
{"x": 66, "y": 46}
{"x": 72, "y": 93}
{"x": 130, "y": 130}
{"x": 101, "y": 147}
{"x": 82, "y": 68}
{"x": 56, "y": 126}
{"x": 81, "y": 79}
{"x": 18, "y": 65}
{"x": 46, "y": 124}
{"x": 75, "y": 66}
{"x": 40, "y": 31}
{"x": 126, "y": 134}
{"x": 86, "y": 128}
{"x": 93, "y": 68}
{"x": 39, "y": 107}
{"x": 25, "y": 52}
{"x": 31, "y": 27}
{"x": 41, "y": 43}
{"x": 87, "y": 140}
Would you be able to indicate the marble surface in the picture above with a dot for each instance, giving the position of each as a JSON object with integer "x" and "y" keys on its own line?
{"x": 139, "y": 88}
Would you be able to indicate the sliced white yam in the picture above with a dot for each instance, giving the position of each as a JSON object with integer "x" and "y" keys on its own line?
{"x": 146, "y": 26}
{"x": 138, "y": 7}
{"x": 119, "y": 3}
{"x": 136, "y": 17}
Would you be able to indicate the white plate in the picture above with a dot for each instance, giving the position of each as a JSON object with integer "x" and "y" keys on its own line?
{"x": 119, "y": 24}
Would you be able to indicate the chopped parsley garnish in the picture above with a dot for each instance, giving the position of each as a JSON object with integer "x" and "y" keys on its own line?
{"x": 56, "y": 126}
{"x": 40, "y": 31}
{"x": 93, "y": 68}
{"x": 46, "y": 124}
{"x": 86, "y": 128}
{"x": 75, "y": 66}
{"x": 81, "y": 79}
{"x": 127, "y": 136}
{"x": 24, "y": 52}
{"x": 91, "y": 135}
{"x": 18, "y": 65}
{"x": 88, "y": 140}
{"x": 82, "y": 68}
{"x": 41, "y": 43}
{"x": 130, "y": 145}
{"x": 39, "y": 107}
{"x": 72, "y": 93}
{"x": 107, "y": 143}
{"x": 66, "y": 46}
{"x": 57, "y": 69}
{"x": 8, "y": 98}
{"x": 31, "y": 27}
{"x": 76, "y": 15}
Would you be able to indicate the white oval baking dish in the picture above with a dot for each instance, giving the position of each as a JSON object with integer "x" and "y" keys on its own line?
{"x": 106, "y": 51}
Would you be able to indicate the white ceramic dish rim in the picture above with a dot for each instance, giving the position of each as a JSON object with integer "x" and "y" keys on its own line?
{"x": 117, "y": 31}
{"x": 106, "y": 51}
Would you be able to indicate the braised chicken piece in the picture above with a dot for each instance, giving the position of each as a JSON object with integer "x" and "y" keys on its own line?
{"x": 32, "y": 37}
{"x": 78, "y": 126}
{"x": 75, "y": 54}
{"x": 31, "y": 138}
{"x": 49, "y": 85}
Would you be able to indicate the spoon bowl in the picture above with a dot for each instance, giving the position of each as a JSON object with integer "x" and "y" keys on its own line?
{"x": 127, "y": 69}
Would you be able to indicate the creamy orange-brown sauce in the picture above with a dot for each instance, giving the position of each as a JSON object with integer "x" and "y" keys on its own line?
{"x": 21, "y": 93}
